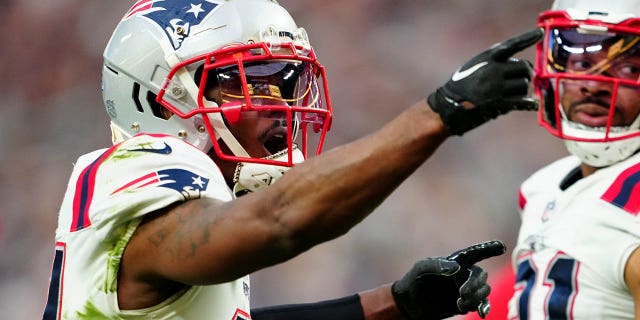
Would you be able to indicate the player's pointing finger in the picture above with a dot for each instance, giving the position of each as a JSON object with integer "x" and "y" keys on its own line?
{"x": 504, "y": 50}
{"x": 471, "y": 255}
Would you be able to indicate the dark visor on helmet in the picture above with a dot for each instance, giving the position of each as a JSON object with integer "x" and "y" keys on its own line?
{"x": 608, "y": 54}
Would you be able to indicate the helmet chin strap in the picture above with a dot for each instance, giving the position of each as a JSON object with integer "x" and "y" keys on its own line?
{"x": 251, "y": 177}
{"x": 600, "y": 154}
{"x": 603, "y": 154}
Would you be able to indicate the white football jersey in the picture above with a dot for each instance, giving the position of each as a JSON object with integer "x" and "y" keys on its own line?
{"x": 574, "y": 243}
{"x": 109, "y": 193}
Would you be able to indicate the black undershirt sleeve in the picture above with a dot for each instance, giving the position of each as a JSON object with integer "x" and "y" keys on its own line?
{"x": 347, "y": 308}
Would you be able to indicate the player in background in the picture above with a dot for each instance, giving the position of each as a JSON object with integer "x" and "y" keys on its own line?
{"x": 576, "y": 255}
{"x": 211, "y": 102}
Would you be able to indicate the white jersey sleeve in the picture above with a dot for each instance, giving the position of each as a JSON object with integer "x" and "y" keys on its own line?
{"x": 141, "y": 175}
{"x": 109, "y": 193}
{"x": 574, "y": 243}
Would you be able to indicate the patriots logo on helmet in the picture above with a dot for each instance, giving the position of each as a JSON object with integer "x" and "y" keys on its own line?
{"x": 175, "y": 17}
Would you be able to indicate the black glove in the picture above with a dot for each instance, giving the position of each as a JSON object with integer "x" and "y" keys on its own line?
{"x": 490, "y": 84}
{"x": 438, "y": 288}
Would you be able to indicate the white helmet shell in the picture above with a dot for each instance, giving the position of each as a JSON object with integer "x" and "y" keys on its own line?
{"x": 152, "y": 38}
{"x": 610, "y": 11}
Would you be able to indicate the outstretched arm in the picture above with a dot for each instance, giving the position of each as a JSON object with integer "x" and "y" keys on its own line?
{"x": 193, "y": 242}
{"x": 206, "y": 241}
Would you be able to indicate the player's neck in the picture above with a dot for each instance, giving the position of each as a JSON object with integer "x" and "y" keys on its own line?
{"x": 587, "y": 170}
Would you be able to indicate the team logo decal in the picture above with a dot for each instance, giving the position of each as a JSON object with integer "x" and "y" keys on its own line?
{"x": 189, "y": 184}
{"x": 175, "y": 17}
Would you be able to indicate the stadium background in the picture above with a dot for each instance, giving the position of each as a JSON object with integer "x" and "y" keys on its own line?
{"x": 381, "y": 56}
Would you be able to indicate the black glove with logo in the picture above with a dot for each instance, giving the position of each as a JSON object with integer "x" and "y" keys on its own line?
{"x": 490, "y": 84}
{"x": 438, "y": 288}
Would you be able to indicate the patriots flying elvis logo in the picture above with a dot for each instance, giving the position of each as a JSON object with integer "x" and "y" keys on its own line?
{"x": 175, "y": 17}
{"x": 189, "y": 184}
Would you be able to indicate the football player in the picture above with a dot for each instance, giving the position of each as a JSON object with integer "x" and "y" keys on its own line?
{"x": 577, "y": 256}
{"x": 211, "y": 102}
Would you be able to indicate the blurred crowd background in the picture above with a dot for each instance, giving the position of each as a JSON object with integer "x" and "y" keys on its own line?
{"x": 381, "y": 56}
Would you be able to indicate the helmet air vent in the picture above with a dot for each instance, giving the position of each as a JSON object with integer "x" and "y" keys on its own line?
{"x": 156, "y": 108}
{"x": 134, "y": 96}
{"x": 598, "y": 13}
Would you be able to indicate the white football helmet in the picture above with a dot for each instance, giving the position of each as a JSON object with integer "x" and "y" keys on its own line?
{"x": 588, "y": 77}
{"x": 208, "y": 71}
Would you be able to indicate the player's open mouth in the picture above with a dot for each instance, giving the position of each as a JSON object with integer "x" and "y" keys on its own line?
{"x": 276, "y": 139}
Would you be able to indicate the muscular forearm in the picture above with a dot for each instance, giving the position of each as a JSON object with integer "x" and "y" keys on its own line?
{"x": 327, "y": 195}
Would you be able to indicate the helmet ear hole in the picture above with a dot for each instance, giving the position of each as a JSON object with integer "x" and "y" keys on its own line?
{"x": 158, "y": 110}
